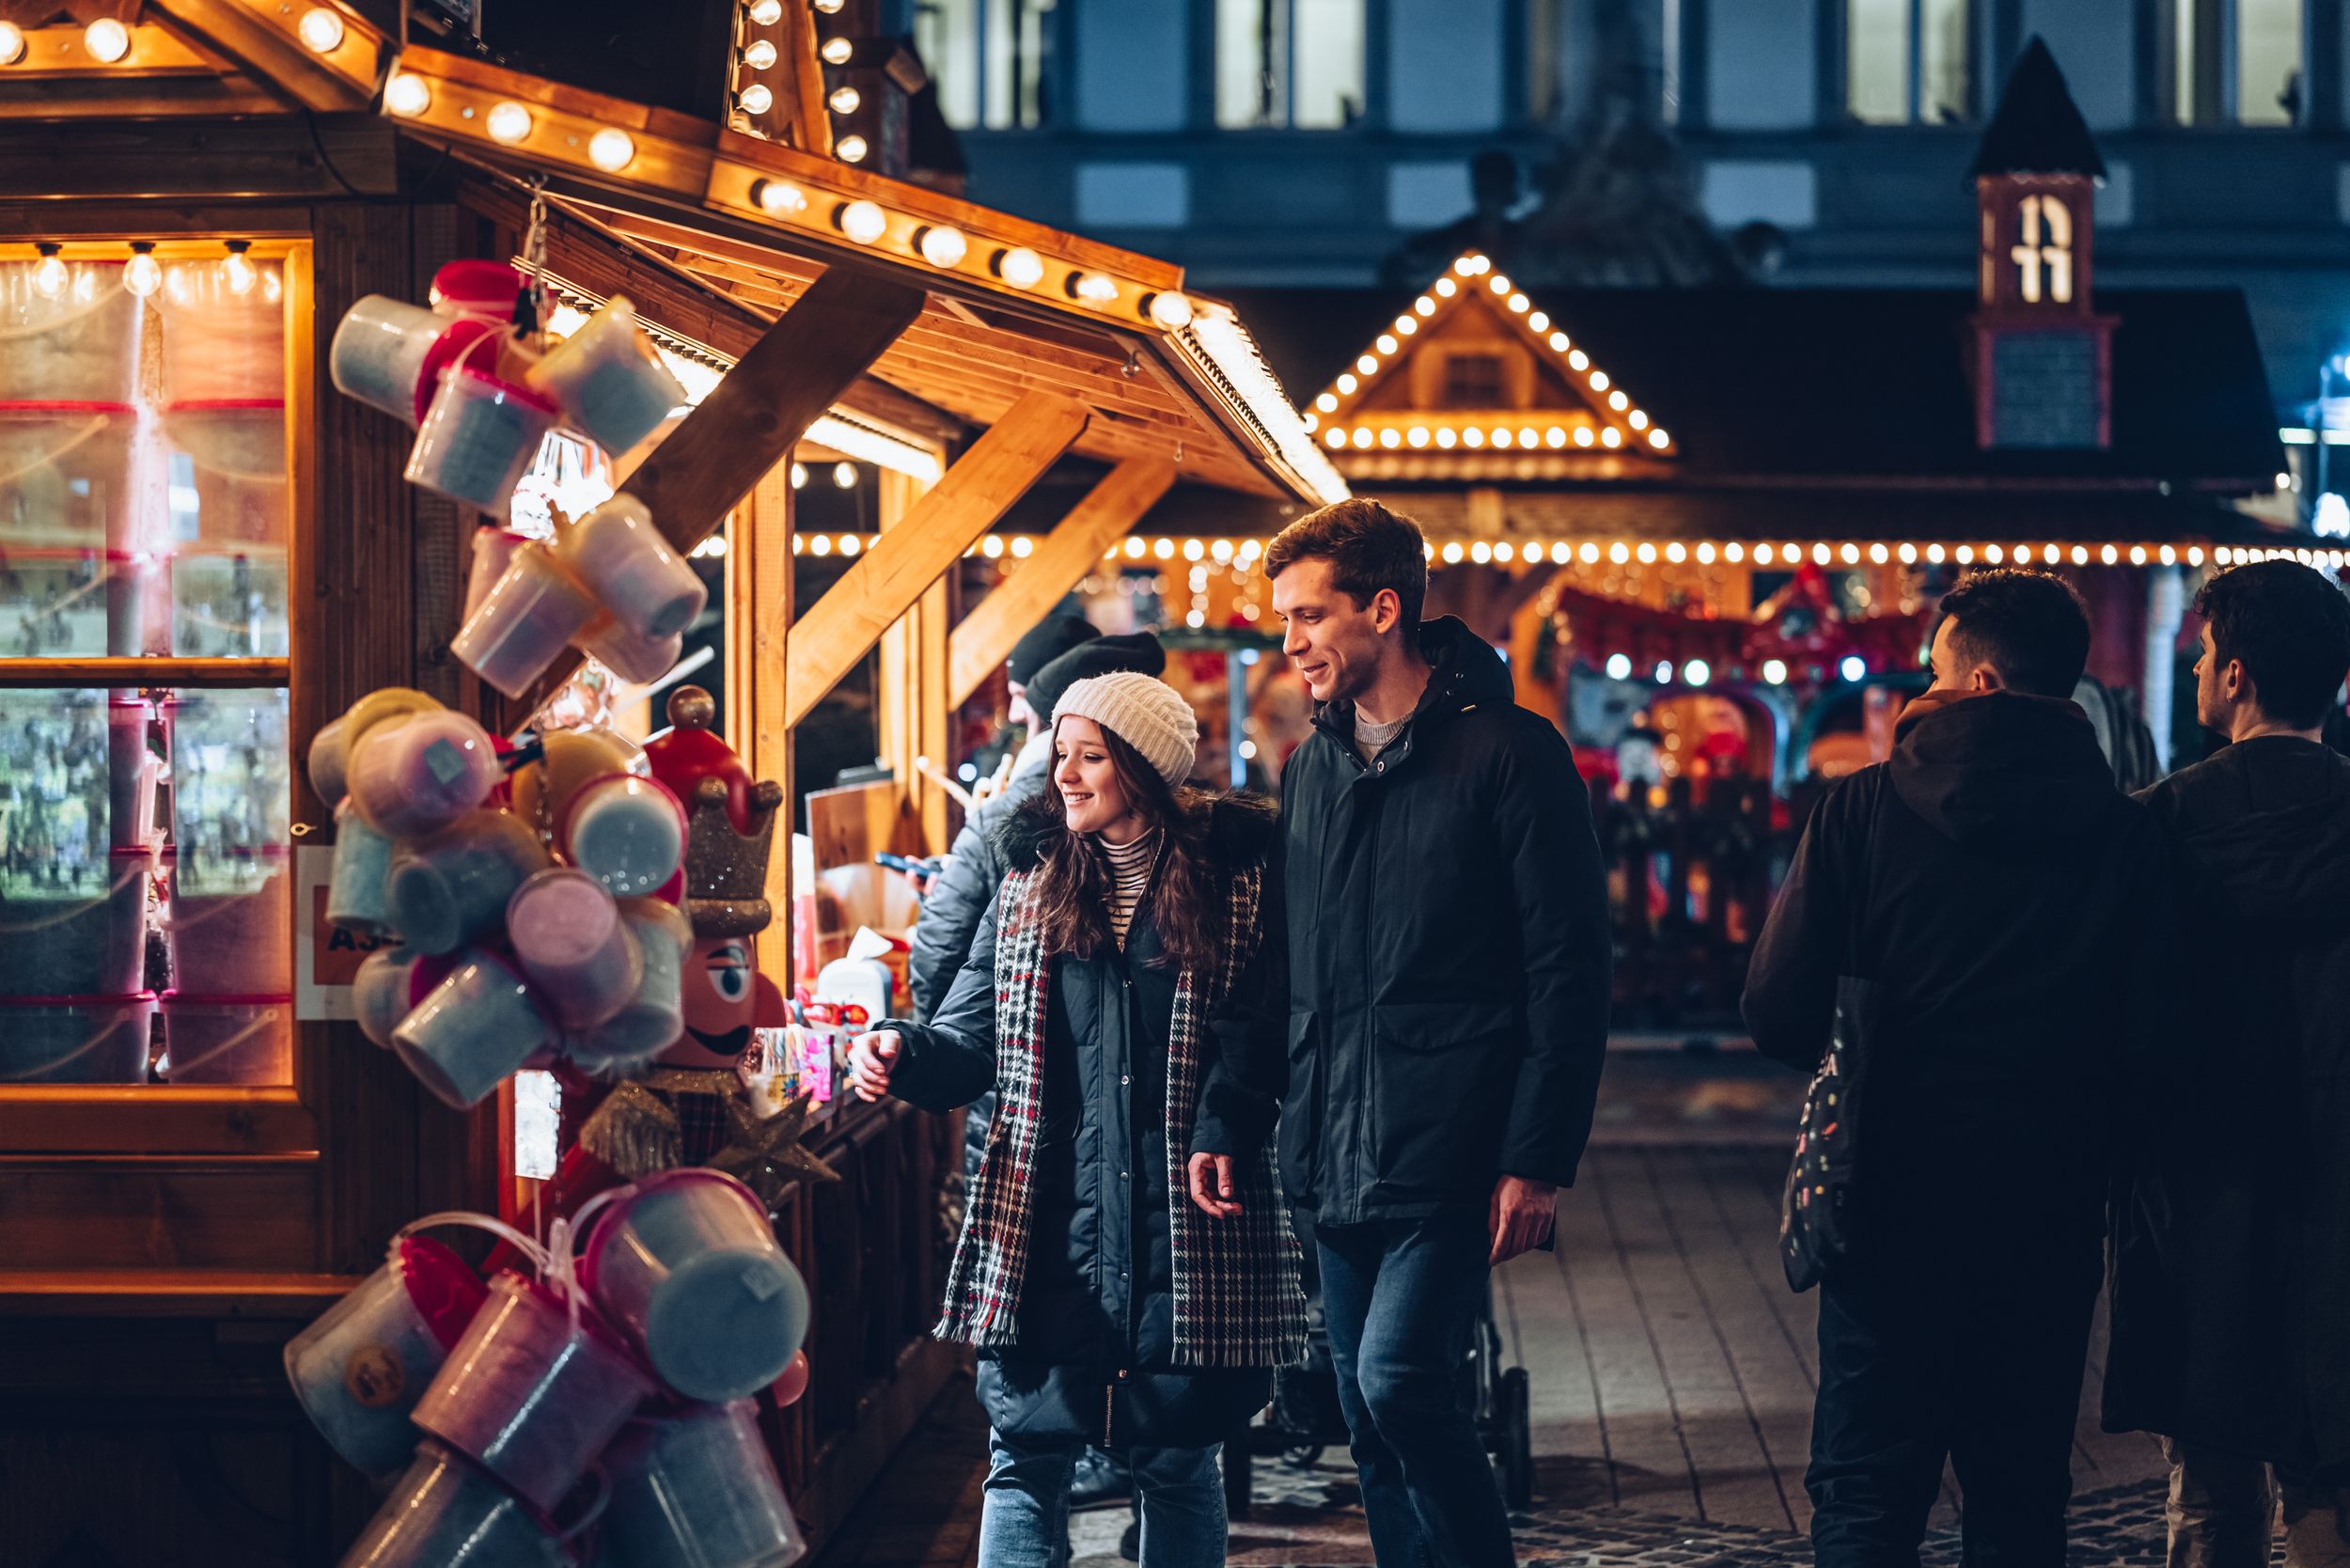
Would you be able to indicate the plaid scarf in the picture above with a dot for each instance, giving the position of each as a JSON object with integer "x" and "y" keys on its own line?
{"x": 1238, "y": 1302}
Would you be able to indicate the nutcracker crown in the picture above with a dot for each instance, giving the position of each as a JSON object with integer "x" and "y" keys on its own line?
{"x": 730, "y": 819}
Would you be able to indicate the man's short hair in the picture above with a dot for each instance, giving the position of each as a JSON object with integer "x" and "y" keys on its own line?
{"x": 2028, "y": 625}
{"x": 1369, "y": 548}
{"x": 2289, "y": 627}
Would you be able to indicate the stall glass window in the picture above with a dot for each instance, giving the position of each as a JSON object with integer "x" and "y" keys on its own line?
{"x": 989, "y": 59}
{"x": 1288, "y": 63}
{"x": 145, "y": 514}
{"x": 2236, "y": 62}
{"x": 1906, "y": 61}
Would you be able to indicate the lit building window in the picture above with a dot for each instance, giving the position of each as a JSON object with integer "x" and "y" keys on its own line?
{"x": 989, "y": 59}
{"x": 1294, "y": 63}
{"x": 2236, "y": 62}
{"x": 1905, "y": 61}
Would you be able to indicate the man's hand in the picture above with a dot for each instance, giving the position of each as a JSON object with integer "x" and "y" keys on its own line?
{"x": 1521, "y": 1217}
{"x": 871, "y": 1057}
{"x": 1212, "y": 1186}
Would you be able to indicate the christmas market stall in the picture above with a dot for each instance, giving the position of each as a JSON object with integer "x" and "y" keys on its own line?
{"x": 421, "y": 953}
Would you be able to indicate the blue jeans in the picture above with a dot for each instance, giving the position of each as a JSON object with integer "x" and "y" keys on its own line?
{"x": 1024, "y": 1522}
{"x": 1403, "y": 1297}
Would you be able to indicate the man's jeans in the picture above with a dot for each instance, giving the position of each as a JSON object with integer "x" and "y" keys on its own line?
{"x": 1024, "y": 1522}
{"x": 2223, "y": 1512}
{"x": 1403, "y": 1297}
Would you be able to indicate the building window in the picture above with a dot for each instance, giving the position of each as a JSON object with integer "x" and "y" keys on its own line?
{"x": 2236, "y": 62}
{"x": 1475, "y": 381}
{"x": 1295, "y": 63}
{"x": 1905, "y": 61}
{"x": 989, "y": 59}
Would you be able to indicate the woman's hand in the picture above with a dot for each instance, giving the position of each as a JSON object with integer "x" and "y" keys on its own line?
{"x": 1212, "y": 1185}
{"x": 871, "y": 1057}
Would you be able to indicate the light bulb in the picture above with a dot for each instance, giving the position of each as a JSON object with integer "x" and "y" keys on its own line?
{"x": 766, "y": 13}
{"x": 1852, "y": 666}
{"x": 863, "y": 221}
{"x": 779, "y": 196}
{"x": 844, "y": 475}
{"x": 106, "y": 40}
{"x": 836, "y": 50}
{"x": 611, "y": 149}
{"x": 845, "y": 100}
{"x": 142, "y": 277}
{"x": 1658, "y": 439}
{"x": 407, "y": 96}
{"x": 830, "y": 8}
{"x": 508, "y": 123}
{"x": 49, "y": 275}
{"x": 852, "y": 149}
{"x": 238, "y": 272}
{"x": 1171, "y": 308}
{"x": 943, "y": 246}
{"x": 757, "y": 98}
{"x": 1697, "y": 672}
{"x": 799, "y": 474}
{"x": 11, "y": 43}
{"x": 321, "y": 29}
{"x": 1092, "y": 287}
{"x": 759, "y": 56}
{"x": 1775, "y": 672}
{"x": 1020, "y": 267}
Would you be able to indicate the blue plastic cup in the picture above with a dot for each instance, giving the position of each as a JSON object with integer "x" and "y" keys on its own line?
{"x": 472, "y": 1032}
{"x": 355, "y": 896}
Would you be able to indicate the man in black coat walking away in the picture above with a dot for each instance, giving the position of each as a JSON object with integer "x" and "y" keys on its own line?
{"x": 2008, "y": 902}
{"x": 1448, "y": 988}
{"x": 2232, "y": 1251}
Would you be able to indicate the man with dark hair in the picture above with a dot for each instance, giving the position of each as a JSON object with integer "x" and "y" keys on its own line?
{"x": 1449, "y": 987}
{"x": 2231, "y": 1250}
{"x": 2004, "y": 900}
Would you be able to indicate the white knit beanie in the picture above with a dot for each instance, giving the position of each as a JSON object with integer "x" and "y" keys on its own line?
{"x": 1141, "y": 710}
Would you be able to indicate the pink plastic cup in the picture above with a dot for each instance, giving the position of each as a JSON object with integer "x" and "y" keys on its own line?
{"x": 697, "y": 1490}
{"x": 687, "y": 1263}
{"x": 618, "y": 553}
{"x": 570, "y": 939}
{"x": 452, "y": 887}
{"x": 533, "y": 1392}
{"x": 75, "y": 1040}
{"x": 628, "y": 832}
{"x": 417, "y": 774}
{"x": 640, "y": 660}
{"x": 472, "y": 1032}
{"x": 484, "y": 289}
{"x": 360, "y": 1368}
{"x": 652, "y": 1020}
{"x": 229, "y": 922}
{"x": 227, "y": 1040}
{"x": 477, "y": 437}
{"x": 525, "y": 620}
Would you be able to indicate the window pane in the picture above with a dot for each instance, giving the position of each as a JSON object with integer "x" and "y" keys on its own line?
{"x": 2268, "y": 61}
{"x": 1942, "y": 61}
{"x": 947, "y": 35}
{"x": 1327, "y": 90}
{"x": 1877, "y": 85}
{"x": 1245, "y": 41}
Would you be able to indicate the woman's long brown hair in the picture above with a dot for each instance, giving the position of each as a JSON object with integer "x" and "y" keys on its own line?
{"x": 1073, "y": 881}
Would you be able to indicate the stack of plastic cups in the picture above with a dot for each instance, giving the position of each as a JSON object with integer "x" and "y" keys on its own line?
{"x": 477, "y": 438}
{"x": 610, "y": 381}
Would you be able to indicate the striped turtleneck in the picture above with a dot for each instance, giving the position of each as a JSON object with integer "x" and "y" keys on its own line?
{"x": 1129, "y": 865}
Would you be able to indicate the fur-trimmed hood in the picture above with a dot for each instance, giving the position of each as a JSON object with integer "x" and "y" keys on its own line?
{"x": 1236, "y": 831}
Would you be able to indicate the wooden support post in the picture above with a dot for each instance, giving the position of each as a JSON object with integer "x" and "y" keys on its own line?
{"x": 912, "y": 698}
{"x": 1059, "y": 562}
{"x": 888, "y": 579}
{"x": 758, "y": 623}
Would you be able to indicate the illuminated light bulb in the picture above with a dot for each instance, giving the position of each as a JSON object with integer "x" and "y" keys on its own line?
{"x": 238, "y": 272}
{"x": 1664, "y": 672}
{"x": 992, "y": 546}
{"x": 1852, "y": 667}
{"x": 611, "y": 149}
{"x": 1560, "y": 342}
{"x": 836, "y": 50}
{"x": 1993, "y": 554}
{"x": 799, "y": 476}
{"x": 1637, "y": 419}
{"x": 1554, "y": 437}
{"x": 1619, "y": 667}
{"x": 1328, "y": 403}
{"x": 2108, "y": 555}
{"x": 1539, "y": 322}
{"x": 1877, "y": 555}
{"x": 844, "y": 475}
{"x": 1646, "y": 553}
{"x": 2138, "y": 555}
{"x": 1407, "y": 325}
{"x": 1964, "y": 555}
{"x": 1618, "y": 554}
{"x": 1821, "y": 555}
{"x": 1520, "y": 303}
{"x": 1933, "y": 553}
{"x": 2168, "y": 555}
{"x": 1588, "y": 554}
{"x": 1387, "y": 343}
{"x": 1764, "y": 554}
{"x": 321, "y": 30}
{"x": 830, "y": 8}
{"x": 757, "y": 98}
{"x": 1504, "y": 438}
{"x": 1774, "y": 672}
{"x": 407, "y": 95}
{"x": 1499, "y": 284}
{"x": 1598, "y": 381}
{"x": 1446, "y": 437}
{"x": 1578, "y": 359}
{"x": 799, "y": 545}
{"x": 779, "y": 197}
{"x": 1424, "y": 306}
{"x": 1092, "y": 287}
{"x": 1583, "y": 435}
{"x": 1561, "y": 552}
{"x": 1851, "y": 554}
{"x": 142, "y": 277}
{"x": 1020, "y": 267}
{"x": 1163, "y": 548}
{"x": 766, "y": 13}
{"x": 760, "y": 54}
{"x": 50, "y": 276}
{"x": 1368, "y": 364}
{"x": 1171, "y": 308}
{"x": 1611, "y": 436}
{"x": 1697, "y": 672}
{"x": 1481, "y": 552}
{"x": 851, "y": 149}
{"x": 1417, "y": 435}
{"x": 820, "y": 545}
{"x": 1734, "y": 552}
{"x": 1705, "y": 553}
{"x": 1023, "y": 547}
{"x": 943, "y": 246}
{"x": 1908, "y": 554}
{"x": 106, "y": 40}
{"x": 1658, "y": 439}
{"x": 862, "y": 221}
{"x": 2080, "y": 555}
{"x": 1618, "y": 401}
{"x": 1676, "y": 552}
{"x": 1221, "y": 550}
{"x": 1362, "y": 438}
{"x": 1452, "y": 554}
{"x": 1346, "y": 381}
{"x": 845, "y": 100}
{"x": 1467, "y": 266}
{"x": 509, "y": 122}
{"x": 1390, "y": 438}
{"x": 850, "y": 544}
{"x": 1334, "y": 438}
{"x": 1446, "y": 288}
{"x": 1135, "y": 548}
{"x": 11, "y": 43}
{"x": 1473, "y": 438}
{"x": 1193, "y": 550}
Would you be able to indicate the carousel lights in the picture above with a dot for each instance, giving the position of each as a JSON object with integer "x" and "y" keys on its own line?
{"x": 1368, "y": 364}
{"x": 1617, "y": 554}
{"x": 778, "y": 198}
{"x": 1578, "y": 359}
{"x": 1390, "y": 438}
{"x": 1387, "y": 343}
{"x": 836, "y": 50}
{"x": 1481, "y": 552}
{"x": 760, "y": 54}
{"x": 1645, "y": 554}
{"x": 1993, "y": 554}
{"x": 861, "y": 221}
{"x": 1452, "y": 553}
{"x": 1676, "y": 552}
{"x": 49, "y": 275}
{"x": 611, "y": 149}
{"x": 1020, "y": 267}
{"x": 1135, "y": 549}
{"x": 1764, "y": 555}
{"x": 850, "y": 544}
{"x": 2138, "y": 555}
{"x": 1583, "y": 436}
{"x": 1560, "y": 342}
{"x": 1853, "y": 667}
{"x": 142, "y": 277}
{"x": 1446, "y": 437}
{"x": 1618, "y": 401}
{"x": 1705, "y": 554}
{"x": 1878, "y": 554}
{"x": 1092, "y": 287}
{"x": 941, "y": 244}
{"x": 1933, "y": 553}
{"x": 1417, "y": 435}
{"x": 1588, "y": 553}
{"x": 1423, "y": 307}
{"x": 1170, "y": 309}
{"x": 321, "y": 30}
{"x": 1598, "y": 381}
{"x": 1851, "y": 554}
{"x": 509, "y": 122}
{"x": 1194, "y": 549}
{"x": 1473, "y": 438}
{"x": 1520, "y": 304}
{"x": 757, "y": 98}
{"x": 1734, "y": 552}
{"x": 765, "y": 13}
{"x": 238, "y": 271}
{"x": 1908, "y": 554}
{"x": 1328, "y": 403}
{"x": 1446, "y": 288}
{"x": 992, "y": 546}
{"x": 1697, "y": 672}
{"x": 407, "y": 95}
{"x": 106, "y": 40}
{"x": 830, "y": 8}
{"x": 820, "y": 545}
{"x": 11, "y": 43}
{"x": 2108, "y": 555}
{"x": 1820, "y": 554}
{"x": 1499, "y": 284}
{"x": 1964, "y": 555}
{"x": 1774, "y": 672}
{"x": 1619, "y": 667}
{"x": 1407, "y": 325}
{"x": 2080, "y": 556}
{"x": 1611, "y": 437}
{"x": 1539, "y": 322}
{"x": 845, "y": 100}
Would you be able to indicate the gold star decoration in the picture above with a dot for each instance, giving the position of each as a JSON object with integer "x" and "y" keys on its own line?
{"x": 765, "y": 1153}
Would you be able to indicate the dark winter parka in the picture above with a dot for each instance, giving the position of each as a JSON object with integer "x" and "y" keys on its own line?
{"x": 2231, "y": 1261}
{"x": 1448, "y": 955}
{"x": 1066, "y": 1277}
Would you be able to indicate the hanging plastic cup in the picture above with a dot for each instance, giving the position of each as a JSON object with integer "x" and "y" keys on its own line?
{"x": 487, "y": 290}
{"x": 381, "y": 995}
{"x": 355, "y": 899}
{"x": 360, "y": 1368}
{"x": 417, "y": 774}
{"x": 570, "y": 939}
{"x": 531, "y": 613}
{"x": 621, "y": 558}
{"x": 472, "y": 1032}
{"x": 654, "y": 1019}
{"x": 477, "y": 438}
{"x": 628, "y": 832}
{"x": 451, "y": 887}
{"x": 686, "y": 1261}
{"x": 698, "y": 1491}
{"x": 448, "y": 1512}
{"x": 566, "y": 760}
{"x": 379, "y": 352}
{"x": 536, "y": 1388}
{"x": 494, "y": 550}
{"x": 611, "y": 382}
{"x": 639, "y": 661}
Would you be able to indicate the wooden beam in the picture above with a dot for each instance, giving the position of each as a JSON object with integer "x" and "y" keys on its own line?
{"x": 264, "y": 46}
{"x": 811, "y": 120}
{"x": 758, "y": 622}
{"x": 888, "y": 579}
{"x": 1062, "y": 559}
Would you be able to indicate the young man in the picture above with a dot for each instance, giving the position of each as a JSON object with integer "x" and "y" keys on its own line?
{"x": 2006, "y": 900}
{"x": 2232, "y": 1252}
{"x": 1448, "y": 961}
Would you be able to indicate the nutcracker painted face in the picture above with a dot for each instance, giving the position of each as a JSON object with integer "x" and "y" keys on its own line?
{"x": 730, "y": 826}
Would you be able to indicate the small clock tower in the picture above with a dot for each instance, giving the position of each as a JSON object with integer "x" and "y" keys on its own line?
{"x": 2040, "y": 357}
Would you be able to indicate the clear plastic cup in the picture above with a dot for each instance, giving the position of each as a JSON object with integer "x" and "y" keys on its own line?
{"x": 638, "y": 660}
{"x": 646, "y": 587}
{"x": 361, "y": 1367}
{"x": 81, "y": 342}
{"x": 610, "y": 381}
{"x": 67, "y": 478}
{"x": 492, "y": 551}
{"x": 570, "y": 939}
{"x": 529, "y": 615}
{"x": 451, "y": 887}
{"x": 356, "y": 888}
{"x": 417, "y": 774}
{"x": 477, "y": 437}
{"x": 77, "y": 1039}
{"x": 472, "y": 1032}
{"x": 382, "y": 992}
{"x": 652, "y": 1020}
{"x": 697, "y": 1490}
{"x": 227, "y": 1040}
{"x": 448, "y": 1512}
{"x": 628, "y": 832}
{"x": 379, "y": 352}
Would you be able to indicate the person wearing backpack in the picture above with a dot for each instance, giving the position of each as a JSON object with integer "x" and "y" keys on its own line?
{"x": 2007, "y": 906}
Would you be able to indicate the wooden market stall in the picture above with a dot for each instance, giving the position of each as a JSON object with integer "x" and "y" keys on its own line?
{"x": 206, "y": 554}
